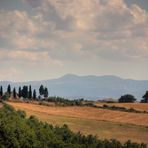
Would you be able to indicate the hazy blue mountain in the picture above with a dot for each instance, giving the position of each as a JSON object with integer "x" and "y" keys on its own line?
{"x": 89, "y": 87}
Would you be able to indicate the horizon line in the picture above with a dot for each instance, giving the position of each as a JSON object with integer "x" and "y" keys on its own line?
{"x": 76, "y": 75}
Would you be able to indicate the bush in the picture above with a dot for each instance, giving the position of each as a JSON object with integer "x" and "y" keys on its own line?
{"x": 64, "y": 102}
{"x": 127, "y": 98}
{"x": 5, "y": 97}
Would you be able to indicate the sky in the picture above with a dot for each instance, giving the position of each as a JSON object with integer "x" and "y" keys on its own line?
{"x": 44, "y": 39}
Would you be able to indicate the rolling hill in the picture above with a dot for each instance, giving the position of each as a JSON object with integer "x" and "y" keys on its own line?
{"x": 106, "y": 124}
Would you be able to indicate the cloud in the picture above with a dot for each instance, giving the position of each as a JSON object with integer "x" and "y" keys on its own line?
{"x": 30, "y": 57}
{"x": 63, "y": 31}
{"x": 12, "y": 75}
{"x": 33, "y": 3}
{"x": 16, "y": 29}
{"x": 112, "y": 25}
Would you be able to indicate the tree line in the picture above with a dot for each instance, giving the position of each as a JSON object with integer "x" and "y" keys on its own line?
{"x": 25, "y": 92}
{"x": 130, "y": 98}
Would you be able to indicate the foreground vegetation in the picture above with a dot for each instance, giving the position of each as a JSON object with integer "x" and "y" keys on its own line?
{"x": 16, "y": 131}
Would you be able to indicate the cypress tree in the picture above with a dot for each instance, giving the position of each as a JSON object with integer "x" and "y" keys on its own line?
{"x": 25, "y": 92}
{"x": 9, "y": 89}
{"x": 34, "y": 94}
{"x": 1, "y": 91}
{"x": 145, "y": 97}
{"x": 14, "y": 93}
{"x": 45, "y": 93}
{"x": 30, "y": 92}
{"x": 41, "y": 90}
{"x": 20, "y": 92}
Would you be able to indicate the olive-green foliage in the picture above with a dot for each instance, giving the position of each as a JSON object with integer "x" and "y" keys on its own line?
{"x": 6, "y": 96}
{"x": 145, "y": 98}
{"x": 127, "y": 98}
{"x": 122, "y": 109}
{"x": 105, "y": 106}
{"x": 65, "y": 102}
{"x": 16, "y": 131}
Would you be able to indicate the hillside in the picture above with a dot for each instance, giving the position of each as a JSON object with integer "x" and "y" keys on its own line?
{"x": 101, "y": 122}
{"x": 88, "y": 87}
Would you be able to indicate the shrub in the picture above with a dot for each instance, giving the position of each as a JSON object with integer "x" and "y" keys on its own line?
{"x": 127, "y": 98}
{"x": 6, "y": 96}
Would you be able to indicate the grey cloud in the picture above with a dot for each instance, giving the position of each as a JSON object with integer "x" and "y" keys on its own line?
{"x": 115, "y": 55}
{"x": 109, "y": 30}
{"x": 34, "y": 3}
{"x": 142, "y": 3}
{"x": 50, "y": 14}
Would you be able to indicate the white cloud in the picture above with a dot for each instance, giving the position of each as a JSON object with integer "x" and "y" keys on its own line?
{"x": 33, "y": 58}
{"x": 13, "y": 74}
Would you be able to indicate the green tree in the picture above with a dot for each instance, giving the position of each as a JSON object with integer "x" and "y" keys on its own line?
{"x": 45, "y": 93}
{"x": 41, "y": 90}
{"x": 145, "y": 98}
{"x": 34, "y": 94}
{"x": 127, "y": 98}
{"x": 14, "y": 93}
{"x": 6, "y": 96}
{"x": 1, "y": 91}
{"x": 20, "y": 92}
{"x": 9, "y": 89}
{"x": 30, "y": 92}
{"x": 25, "y": 92}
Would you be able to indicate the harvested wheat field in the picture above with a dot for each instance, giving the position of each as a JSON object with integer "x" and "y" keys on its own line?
{"x": 87, "y": 113}
{"x": 101, "y": 122}
{"x": 137, "y": 106}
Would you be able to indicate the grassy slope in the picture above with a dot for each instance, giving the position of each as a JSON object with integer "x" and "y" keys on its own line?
{"x": 103, "y": 123}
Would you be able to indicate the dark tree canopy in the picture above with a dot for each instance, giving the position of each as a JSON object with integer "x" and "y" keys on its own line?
{"x": 127, "y": 98}
{"x": 146, "y": 95}
{"x": 30, "y": 92}
{"x": 145, "y": 98}
{"x": 25, "y": 92}
{"x": 9, "y": 89}
{"x": 41, "y": 90}
{"x": 20, "y": 92}
{"x": 14, "y": 93}
{"x": 34, "y": 94}
{"x": 45, "y": 92}
{"x": 1, "y": 91}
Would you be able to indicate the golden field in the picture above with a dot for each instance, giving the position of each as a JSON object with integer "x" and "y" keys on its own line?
{"x": 101, "y": 122}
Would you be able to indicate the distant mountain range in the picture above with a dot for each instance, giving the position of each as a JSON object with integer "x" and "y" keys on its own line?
{"x": 88, "y": 87}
